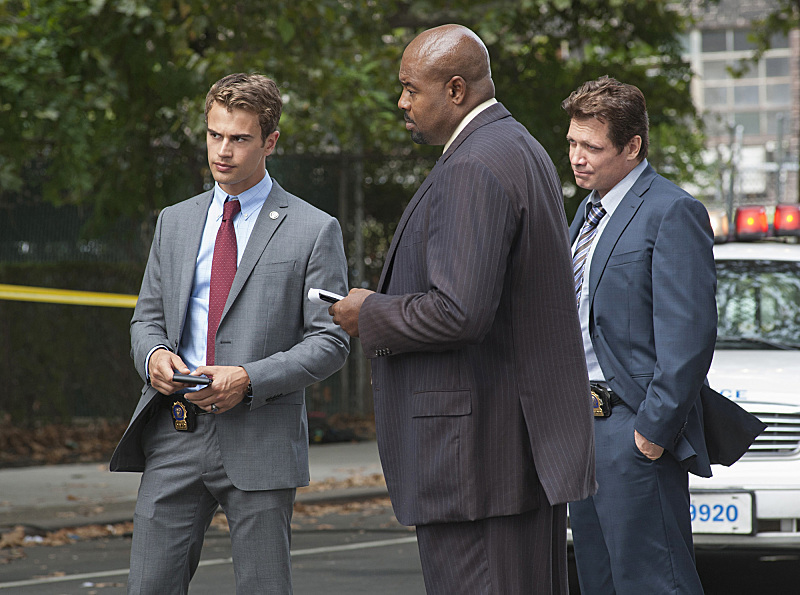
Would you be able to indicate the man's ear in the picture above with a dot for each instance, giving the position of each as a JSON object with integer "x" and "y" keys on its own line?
{"x": 634, "y": 147}
{"x": 456, "y": 89}
{"x": 270, "y": 143}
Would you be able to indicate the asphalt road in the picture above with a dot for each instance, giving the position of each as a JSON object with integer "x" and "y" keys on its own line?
{"x": 348, "y": 548}
{"x": 345, "y": 549}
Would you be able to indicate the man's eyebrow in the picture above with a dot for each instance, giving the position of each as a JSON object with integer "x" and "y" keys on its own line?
{"x": 235, "y": 135}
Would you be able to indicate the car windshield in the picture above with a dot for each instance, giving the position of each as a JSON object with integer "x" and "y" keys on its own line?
{"x": 758, "y": 304}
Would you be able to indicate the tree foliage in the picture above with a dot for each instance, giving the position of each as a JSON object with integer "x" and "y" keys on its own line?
{"x": 781, "y": 19}
{"x": 102, "y": 100}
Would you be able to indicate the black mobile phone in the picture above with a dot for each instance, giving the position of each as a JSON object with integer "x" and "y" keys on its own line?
{"x": 186, "y": 378}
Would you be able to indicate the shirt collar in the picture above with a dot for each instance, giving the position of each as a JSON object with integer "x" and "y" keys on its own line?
{"x": 614, "y": 196}
{"x": 467, "y": 119}
{"x": 250, "y": 200}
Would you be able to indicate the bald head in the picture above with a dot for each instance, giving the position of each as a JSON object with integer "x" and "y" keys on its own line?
{"x": 453, "y": 50}
{"x": 445, "y": 73}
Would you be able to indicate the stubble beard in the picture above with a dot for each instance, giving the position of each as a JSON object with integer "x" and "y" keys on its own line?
{"x": 418, "y": 137}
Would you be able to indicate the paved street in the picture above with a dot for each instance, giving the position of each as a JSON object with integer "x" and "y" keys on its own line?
{"x": 353, "y": 547}
{"x": 338, "y": 549}
{"x": 346, "y": 539}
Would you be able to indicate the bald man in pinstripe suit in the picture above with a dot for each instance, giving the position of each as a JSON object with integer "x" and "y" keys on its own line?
{"x": 479, "y": 378}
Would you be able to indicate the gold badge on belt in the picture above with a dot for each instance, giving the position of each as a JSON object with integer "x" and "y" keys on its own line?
{"x": 180, "y": 416}
{"x": 601, "y": 401}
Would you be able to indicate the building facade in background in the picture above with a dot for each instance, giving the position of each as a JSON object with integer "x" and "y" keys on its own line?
{"x": 751, "y": 109}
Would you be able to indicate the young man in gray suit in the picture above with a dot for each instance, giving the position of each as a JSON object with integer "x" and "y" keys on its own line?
{"x": 644, "y": 284}
{"x": 481, "y": 394}
{"x": 224, "y": 297}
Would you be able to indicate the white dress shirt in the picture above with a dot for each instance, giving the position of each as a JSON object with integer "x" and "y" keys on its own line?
{"x": 467, "y": 119}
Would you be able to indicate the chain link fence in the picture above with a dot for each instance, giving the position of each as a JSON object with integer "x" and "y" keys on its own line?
{"x": 69, "y": 361}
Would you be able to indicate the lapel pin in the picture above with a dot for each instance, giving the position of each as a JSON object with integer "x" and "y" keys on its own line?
{"x": 273, "y": 214}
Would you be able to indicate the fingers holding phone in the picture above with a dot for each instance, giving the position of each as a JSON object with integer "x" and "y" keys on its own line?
{"x": 162, "y": 366}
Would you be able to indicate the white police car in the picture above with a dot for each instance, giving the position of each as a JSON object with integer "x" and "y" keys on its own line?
{"x": 755, "y": 503}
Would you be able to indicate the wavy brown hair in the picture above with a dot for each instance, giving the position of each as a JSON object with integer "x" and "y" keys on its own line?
{"x": 252, "y": 92}
{"x": 620, "y": 105}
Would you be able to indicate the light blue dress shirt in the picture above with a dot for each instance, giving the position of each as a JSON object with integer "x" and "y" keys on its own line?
{"x": 192, "y": 348}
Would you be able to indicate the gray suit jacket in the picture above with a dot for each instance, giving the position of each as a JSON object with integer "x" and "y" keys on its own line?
{"x": 268, "y": 326}
{"x": 653, "y": 316}
{"x": 479, "y": 377}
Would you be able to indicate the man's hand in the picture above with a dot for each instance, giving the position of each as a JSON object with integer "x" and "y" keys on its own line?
{"x": 226, "y": 391}
{"x": 649, "y": 449}
{"x": 162, "y": 365}
{"x": 345, "y": 312}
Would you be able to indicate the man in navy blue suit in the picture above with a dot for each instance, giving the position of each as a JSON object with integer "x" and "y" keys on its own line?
{"x": 644, "y": 284}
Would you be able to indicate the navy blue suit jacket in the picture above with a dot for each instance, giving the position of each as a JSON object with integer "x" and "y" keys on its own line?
{"x": 653, "y": 316}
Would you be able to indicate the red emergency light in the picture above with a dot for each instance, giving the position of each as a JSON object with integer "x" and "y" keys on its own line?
{"x": 787, "y": 220}
{"x": 751, "y": 223}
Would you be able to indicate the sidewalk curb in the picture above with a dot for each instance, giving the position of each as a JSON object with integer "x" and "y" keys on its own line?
{"x": 52, "y": 497}
{"x": 54, "y": 518}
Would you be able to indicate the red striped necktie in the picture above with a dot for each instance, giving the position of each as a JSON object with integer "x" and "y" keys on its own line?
{"x": 223, "y": 270}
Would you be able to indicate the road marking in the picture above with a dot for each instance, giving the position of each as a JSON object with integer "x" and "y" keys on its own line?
{"x": 22, "y": 293}
{"x": 354, "y": 546}
{"x": 123, "y": 571}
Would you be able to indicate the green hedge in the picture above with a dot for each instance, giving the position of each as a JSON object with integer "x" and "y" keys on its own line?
{"x": 65, "y": 361}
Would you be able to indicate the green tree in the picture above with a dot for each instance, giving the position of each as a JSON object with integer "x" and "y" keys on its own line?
{"x": 102, "y": 100}
{"x": 782, "y": 18}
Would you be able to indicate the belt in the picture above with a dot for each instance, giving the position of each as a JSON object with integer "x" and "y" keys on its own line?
{"x": 168, "y": 400}
{"x": 614, "y": 399}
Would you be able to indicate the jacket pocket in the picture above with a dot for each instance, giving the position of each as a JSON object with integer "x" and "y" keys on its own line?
{"x": 625, "y": 258}
{"x": 441, "y": 403}
{"x": 267, "y": 268}
{"x": 442, "y": 438}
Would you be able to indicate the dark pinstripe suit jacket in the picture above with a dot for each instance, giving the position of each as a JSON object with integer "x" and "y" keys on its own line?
{"x": 479, "y": 376}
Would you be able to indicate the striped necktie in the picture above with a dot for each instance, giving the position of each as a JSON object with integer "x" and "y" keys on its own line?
{"x": 223, "y": 270}
{"x": 588, "y": 231}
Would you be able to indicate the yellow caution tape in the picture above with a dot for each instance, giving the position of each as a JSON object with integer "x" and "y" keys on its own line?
{"x": 20, "y": 293}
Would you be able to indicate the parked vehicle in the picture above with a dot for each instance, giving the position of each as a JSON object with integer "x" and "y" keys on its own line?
{"x": 755, "y": 503}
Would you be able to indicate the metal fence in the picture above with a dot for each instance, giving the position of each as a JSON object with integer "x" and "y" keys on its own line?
{"x": 45, "y": 245}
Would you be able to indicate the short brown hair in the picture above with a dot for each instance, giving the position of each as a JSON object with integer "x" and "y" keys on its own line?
{"x": 622, "y": 106}
{"x": 252, "y": 92}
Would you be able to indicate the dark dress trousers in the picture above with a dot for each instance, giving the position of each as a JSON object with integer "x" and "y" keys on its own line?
{"x": 479, "y": 377}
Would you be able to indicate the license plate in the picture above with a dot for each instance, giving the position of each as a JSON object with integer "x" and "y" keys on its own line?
{"x": 722, "y": 512}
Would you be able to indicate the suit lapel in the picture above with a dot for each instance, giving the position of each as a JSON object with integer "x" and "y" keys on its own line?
{"x": 616, "y": 226}
{"x": 187, "y": 257}
{"x": 490, "y": 114}
{"x": 277, "y": 202}
{"x": 401, "y": 225}
{"x": 577, "y": 221}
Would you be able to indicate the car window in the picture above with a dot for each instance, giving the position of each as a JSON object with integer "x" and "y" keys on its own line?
{"x": 758, "y": 303}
